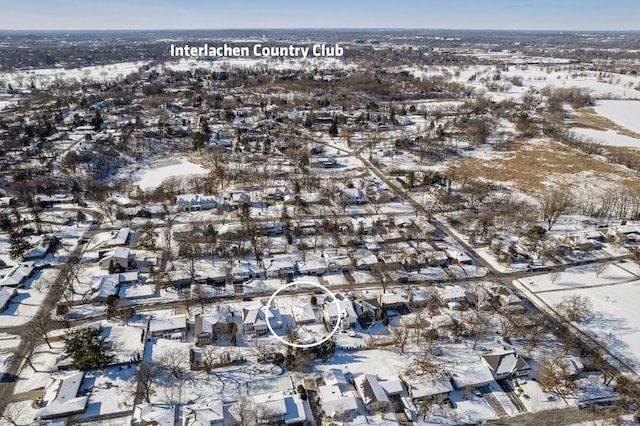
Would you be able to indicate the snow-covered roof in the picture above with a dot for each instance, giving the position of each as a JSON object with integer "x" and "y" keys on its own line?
{"x": 342, "y": 308}
{"x": 303, "y": 312}
{"x": 18, "y": 275}
{"x": 209, "y": 320}
{"x": 392, "y": 387}
{"x": 195, "y": 199}
{"x": 60, "y": 398}
{"x": 474, "y": 375}
{"x": 5, "y": 296}
{"x": 335, "y": 402}
{"x": 119, "y": 238}
{"x": 204, "y": 414}
{"x": 504, "y": 361}
{"x": 422, "y": 386}
{"x": 369, "y": 389}
{"x": 169, "y": 323}
{"x": 451, "y": 293}
{"x": 158, "y": 415}
{"x": 271, "y": 405}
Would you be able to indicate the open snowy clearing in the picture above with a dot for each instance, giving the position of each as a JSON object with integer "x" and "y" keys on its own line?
{"x": 152, "y": 175}
{"x": 614, "y": 297}
{"x": 623, "y": 113}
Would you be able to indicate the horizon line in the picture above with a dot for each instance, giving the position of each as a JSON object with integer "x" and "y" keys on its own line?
{"x": 328, "y": 29}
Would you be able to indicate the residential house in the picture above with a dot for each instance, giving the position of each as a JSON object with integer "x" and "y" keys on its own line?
{"x": 427, "y": 387}
{"x": 471, "y": 376}
{"x": 280, "y": 266}
{"x": 354, "y": 196}
{"x": 507, "y": 298}
{"x": 254, "y": 320}
{"x": 173, "y": 328}
{"x": 211, "y": 414}
{"x": 117, "y": 258}
{"x": 336, "y": 403}
{"x": 340, "y": 309}
{"x": 6, "y": 294}
{"x": 303, "y": 313}
{"x": 196, "y": 202}
{"x": 505, "y": 364}
{"x": 279, "y": 193}
{"x": 18, "y": 276}
{"x": 372, "y": 394}
{"x": 452, "y": 296}
{"x": 281, "y": 408}
{"x": 368, "y": 311}
{"x": 313, "y": 266}
{"x": 61, "y": 397}
{"x": 157, "y": 414}
{"x": 392, "y": 301}
{"x": 322, "y": 162}
{"x": 108, "y": 285}
{"x": 118, "y": 238}
{"x": 209, "y": 326}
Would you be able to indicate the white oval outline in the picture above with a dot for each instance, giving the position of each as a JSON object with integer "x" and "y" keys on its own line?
{"x": 308, "y": 345}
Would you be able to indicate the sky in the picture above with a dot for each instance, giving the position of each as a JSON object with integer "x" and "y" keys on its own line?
{"x": 601, "y": 15}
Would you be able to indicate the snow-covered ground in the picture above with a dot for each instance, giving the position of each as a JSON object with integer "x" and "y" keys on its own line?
{"x": 607, "y": 137}
{"x": 152, "y": 175}
{"x": 623, "y": 113}
{"x": 44, "y": 77}
{"x": 614, "y": 297}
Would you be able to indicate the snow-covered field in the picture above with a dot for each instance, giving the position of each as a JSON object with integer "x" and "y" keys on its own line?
{"x": 151, "y": 176}
{"x": 46, "y": 76}
{"x": 623, "y": 113}
{"x": 607, "y": 137}
{"x": 614, "y": 298}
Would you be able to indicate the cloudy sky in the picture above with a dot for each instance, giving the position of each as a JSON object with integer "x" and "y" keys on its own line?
{"x": 211, "y": 14}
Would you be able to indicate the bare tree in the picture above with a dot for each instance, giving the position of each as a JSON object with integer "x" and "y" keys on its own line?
{"x": 599, "y": 268}
{"x": 172, "y": 361}
{"x": 400, "y": 336}
{"x": 146, "y": 375}
{"x": 575, "y": 308}
{"x": 245, "y": 409}
{"x": 40, "y": 327}
{"x": 555, "y": 203}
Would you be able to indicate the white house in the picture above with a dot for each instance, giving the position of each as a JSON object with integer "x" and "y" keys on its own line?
{"x": 211, "y": 414}
{"x": 194, "y": 202}
{"x": 61, "y": 397}
{"x": 426, "y": 387}
{"x": 452, "y": 294}
{"x": 118, "y": 257}
{"x": 6, "y": 294}
{"x": 337, "y": 404}
{"x": 341, "y": 310}
{"x": 303, "y": 313}
{"x": 18, "y": 275}
{"x": 372, "y": 394}
{"x": 118, "y": 238}
{"x": 254, "y": 320}
{"x": 471, "y": 376}
{"x": 354, "y": 195}
{"x": 505, "y": 363}
{"x": 173, "y": 328}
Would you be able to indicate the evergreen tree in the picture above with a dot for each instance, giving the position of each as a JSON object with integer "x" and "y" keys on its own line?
{"x": 18, "y": 245}
{"x": 87, "y": 348}
{"x": 148, "y": 237}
